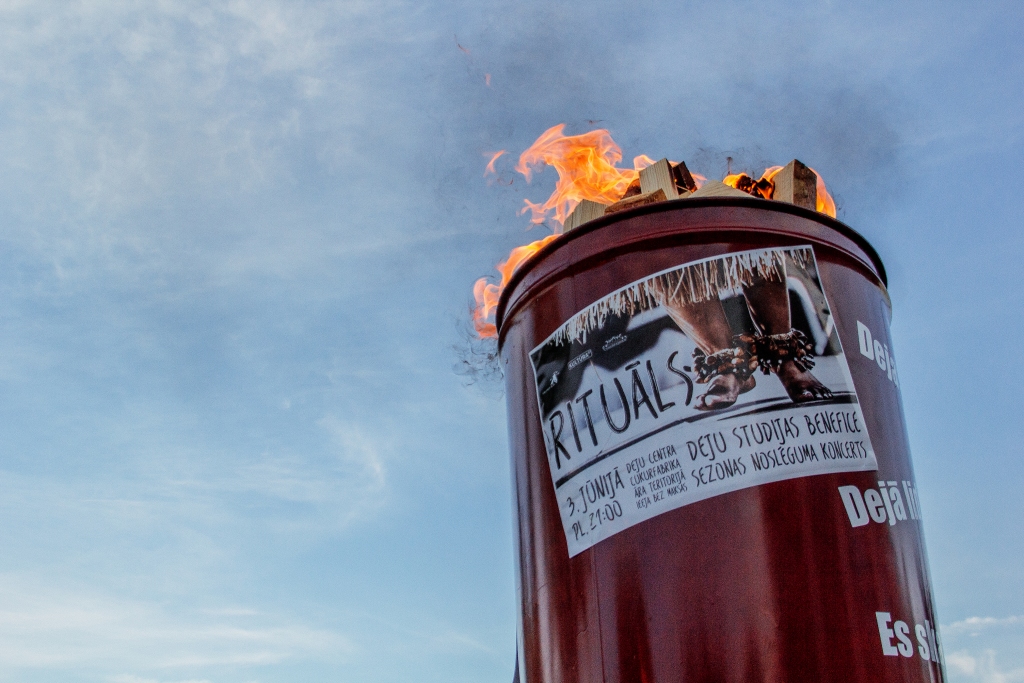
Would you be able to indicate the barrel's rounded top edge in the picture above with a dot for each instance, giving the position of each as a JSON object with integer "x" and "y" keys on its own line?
{"x": 598, "y": 224}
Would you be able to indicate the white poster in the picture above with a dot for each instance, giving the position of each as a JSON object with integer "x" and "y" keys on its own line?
{"x": 696, "y": 381}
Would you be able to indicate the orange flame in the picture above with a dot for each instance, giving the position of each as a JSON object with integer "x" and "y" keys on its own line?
{"x": 487, "y": 293}
{"x": 586, "y": 170}
{"x": 823, "y": 203}
{"x": 641, "y": 162}
{"x": 733, "y": 179}
{"x": 490, "y": 164}
{"x": 586, "y": 166}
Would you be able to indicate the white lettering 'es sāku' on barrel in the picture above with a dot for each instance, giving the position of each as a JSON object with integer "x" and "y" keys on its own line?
{"x": 896, "y": 640}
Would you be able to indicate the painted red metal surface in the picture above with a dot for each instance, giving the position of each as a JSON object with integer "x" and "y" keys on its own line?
{"x": 769, "y": 583}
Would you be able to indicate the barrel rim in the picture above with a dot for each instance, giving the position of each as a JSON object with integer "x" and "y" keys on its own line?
{"x": 675, "y": 205}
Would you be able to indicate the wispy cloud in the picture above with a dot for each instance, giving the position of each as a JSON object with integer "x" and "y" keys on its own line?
{"x": 980, "y": 667}
{"x": 129, "y": 99}
{"x": 117, "y": 114}
{"x": 985, "y": 649}
{"x": 42, "y": 626}
{"x": 323, "y": 489}
{"x": 978, "y": 624}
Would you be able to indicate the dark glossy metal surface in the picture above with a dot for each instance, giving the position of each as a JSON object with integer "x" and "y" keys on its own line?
{"x": 770, "y": 583}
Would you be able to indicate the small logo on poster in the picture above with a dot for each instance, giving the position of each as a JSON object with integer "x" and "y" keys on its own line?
{"x": 582, "y": 358}
{"x": 613, "y": 342}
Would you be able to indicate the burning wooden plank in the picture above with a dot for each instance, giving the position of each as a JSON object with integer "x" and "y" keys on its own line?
{"x": 584, "y": 212}
{"x": 716, "y": 188}
{"x": 796, "y": 184}
{"x": 674, "y": 179}
{"x": 684, "y": 181}
{"x": 637, "y": 200}
{"x": 762, "y": 189}
{"x": 658, "y": 176}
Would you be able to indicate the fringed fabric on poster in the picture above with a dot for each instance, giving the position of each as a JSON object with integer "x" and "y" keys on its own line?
{"x": 696, "y": 381}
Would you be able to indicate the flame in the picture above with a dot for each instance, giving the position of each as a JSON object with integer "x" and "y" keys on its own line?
{"x": 762, "y": 188}
{"x": 586, "y": 166}
{"x": 490, "y": 164}
{"x": 587, "y": 169}
{"x": 641, "y": 162}
{"x": 824, "y": 203}
{"x": 733, "y": 179}
{"x": 487, "y": 293}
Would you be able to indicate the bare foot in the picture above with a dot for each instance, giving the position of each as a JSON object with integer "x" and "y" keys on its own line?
{"x": 801, "y": 385}
{"x": 723, "y": 391}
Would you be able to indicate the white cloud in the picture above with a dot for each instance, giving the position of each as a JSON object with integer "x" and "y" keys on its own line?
{"x": 977, "y": 624}
{"x": 981, "y": 667}
{"x": 125, "y": 125}
{"x": 115, "y": 103}
{"x": 50, "y": 626}
{"x": 43, "y": 626}
{"x": 343, "y": 482}
{"x": 962, "y": 662}
{"x": 985, "y": 649}
{"x": 183, "y": 515}
{"x": 359, "y": 463}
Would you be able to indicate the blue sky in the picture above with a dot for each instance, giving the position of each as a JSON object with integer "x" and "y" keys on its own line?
{"x": 237, "y": 242}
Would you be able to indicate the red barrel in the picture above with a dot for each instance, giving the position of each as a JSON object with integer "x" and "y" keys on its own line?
{"x": 711, "y": 468}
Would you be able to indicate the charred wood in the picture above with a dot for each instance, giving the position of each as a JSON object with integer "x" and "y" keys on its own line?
{"x": 761, "y": 189}
{"x": 684, "y": 181}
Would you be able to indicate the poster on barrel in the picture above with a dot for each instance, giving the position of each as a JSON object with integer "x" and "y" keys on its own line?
{"x": 700, "y": 380}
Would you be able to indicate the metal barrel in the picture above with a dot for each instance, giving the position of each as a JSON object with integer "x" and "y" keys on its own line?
{"x": 705, "y": 503}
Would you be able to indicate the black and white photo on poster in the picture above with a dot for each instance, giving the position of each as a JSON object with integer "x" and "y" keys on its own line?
{"x": 699, "y": 380}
